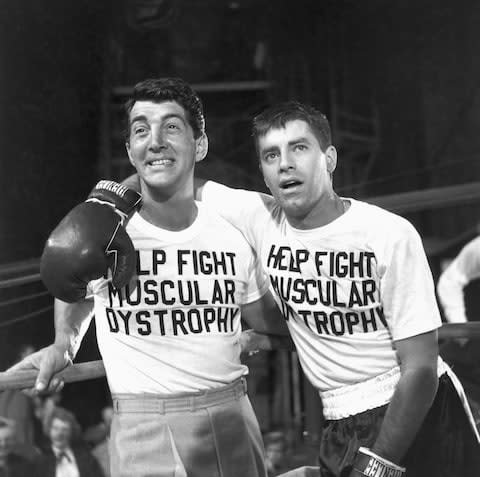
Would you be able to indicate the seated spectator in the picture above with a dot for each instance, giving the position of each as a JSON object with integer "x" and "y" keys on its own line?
{"x": 101, "y": 451}
{"x": 18, "y": 406}
{"x": 276, "y": 448}
{"x": 97, "y": 433}
{"x": 12, "y": 464}
{"x": 44, "y": 406}
{"x": 65, "y": 456}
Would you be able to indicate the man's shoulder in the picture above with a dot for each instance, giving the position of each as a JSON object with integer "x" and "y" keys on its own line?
{"x": 20, "y": 466}
{"x": 473, "y": 245}
{"x": 372, "y": 212}
{"x": 83, "y": 456}
{"x": 219, "y": 231}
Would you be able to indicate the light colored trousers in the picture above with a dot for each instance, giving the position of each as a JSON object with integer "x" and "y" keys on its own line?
{"x": 212, "y": 434}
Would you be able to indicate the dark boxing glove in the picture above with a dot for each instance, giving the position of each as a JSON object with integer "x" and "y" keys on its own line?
{"x": 369, "y": 464}
{"x": 89, "y": 241}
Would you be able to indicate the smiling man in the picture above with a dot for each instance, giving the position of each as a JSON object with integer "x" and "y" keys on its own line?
{"x": 170, "y": 337}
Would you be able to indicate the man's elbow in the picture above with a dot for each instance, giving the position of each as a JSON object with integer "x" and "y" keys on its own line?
{"x": 426, "y": 378}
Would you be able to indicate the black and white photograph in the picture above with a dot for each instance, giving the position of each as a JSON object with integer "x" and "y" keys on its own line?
{"x": 239, "y": 238}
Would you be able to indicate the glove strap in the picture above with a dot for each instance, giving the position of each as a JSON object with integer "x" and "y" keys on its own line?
{"x": 369, "y": 464}
{"x": 118, "y": 196}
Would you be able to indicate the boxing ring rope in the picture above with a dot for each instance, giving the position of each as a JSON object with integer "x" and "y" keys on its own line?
{"x": 29, "y": 269}
{"x": 15, "y": 275}
{"x": 95, "y": 369}
{"x": 27, "y": 316}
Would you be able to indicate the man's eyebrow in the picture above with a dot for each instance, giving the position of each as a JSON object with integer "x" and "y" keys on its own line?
{"x": 174, "y": 115}
{"x": 142, "y": 117}
{"x": 297, "y": 140}
{"x": 139, "y": 117}
{"x": 268, "y": 149}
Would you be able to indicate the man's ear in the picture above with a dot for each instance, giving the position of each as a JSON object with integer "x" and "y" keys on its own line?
{"x": 201, "y": 148}
{"x": 331, "y": 158}
{"x": 127, "y": 147}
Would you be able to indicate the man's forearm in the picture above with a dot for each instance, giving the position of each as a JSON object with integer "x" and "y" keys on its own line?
{"x": 410, "y": 403}
{"x": 450, "y": 293}
{"x": 71, "y": 324}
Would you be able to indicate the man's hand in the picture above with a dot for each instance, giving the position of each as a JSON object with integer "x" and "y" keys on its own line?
{"x": 48, "y": 361}
{"x": 89, "y": 242}
{"x": 252, "y": 342}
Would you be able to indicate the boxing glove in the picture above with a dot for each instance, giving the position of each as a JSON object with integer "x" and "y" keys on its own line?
{"x": 89, "y": 241}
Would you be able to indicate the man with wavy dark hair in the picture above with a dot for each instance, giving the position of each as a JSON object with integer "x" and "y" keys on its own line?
{"x": 66, "y": 456}
{"x": 170, "y": 338}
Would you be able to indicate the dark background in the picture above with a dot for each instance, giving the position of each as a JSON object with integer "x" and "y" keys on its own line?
{"x": 409, "y": 69}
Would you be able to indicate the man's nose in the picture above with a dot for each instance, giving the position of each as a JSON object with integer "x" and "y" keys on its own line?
{"x": 157, "y": 139}
{"x": 286, "y": 162}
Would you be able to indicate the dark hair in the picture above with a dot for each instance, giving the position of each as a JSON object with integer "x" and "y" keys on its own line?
{"x": 277, "y": 116}
{"x": 169, "y": 89}
{"x": 65, "y": 415}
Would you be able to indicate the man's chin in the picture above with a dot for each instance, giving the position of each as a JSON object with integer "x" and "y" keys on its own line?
{"x": 159, "y": 182}
{"x": 291, "y": 207}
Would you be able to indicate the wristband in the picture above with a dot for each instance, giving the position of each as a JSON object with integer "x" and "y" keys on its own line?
{"x": 369, "y": 464}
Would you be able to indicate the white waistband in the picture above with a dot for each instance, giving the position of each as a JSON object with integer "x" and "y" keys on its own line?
{"x": 356, "y": 398}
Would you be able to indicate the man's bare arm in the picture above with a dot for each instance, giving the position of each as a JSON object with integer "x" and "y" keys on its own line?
{"x": 71, "y": 323}
{"x": 413, "y": 396}
{"x": 269, "y": 329}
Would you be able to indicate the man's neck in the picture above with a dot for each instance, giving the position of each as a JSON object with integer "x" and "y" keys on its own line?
{"x": 173, "y": 212}
{"x": 328, "y": 209}
{"x": 59, "y": 450}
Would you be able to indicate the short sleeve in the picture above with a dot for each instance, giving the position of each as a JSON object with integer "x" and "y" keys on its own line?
{"x": 94, "y": 287}
{"x": 258, "y": 282}
{"x": 89, "y": 293}
{"x": 467, "y": 263}
{"x": 407, "y": 287}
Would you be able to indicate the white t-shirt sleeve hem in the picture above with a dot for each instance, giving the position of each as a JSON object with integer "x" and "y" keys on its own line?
{"x": 418, "y": 331}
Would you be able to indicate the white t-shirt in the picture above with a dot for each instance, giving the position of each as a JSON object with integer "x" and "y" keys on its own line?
{"x": 463, "y": 269}
{"x": 347, "y": 289}
{"x": 175, "y": 328}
